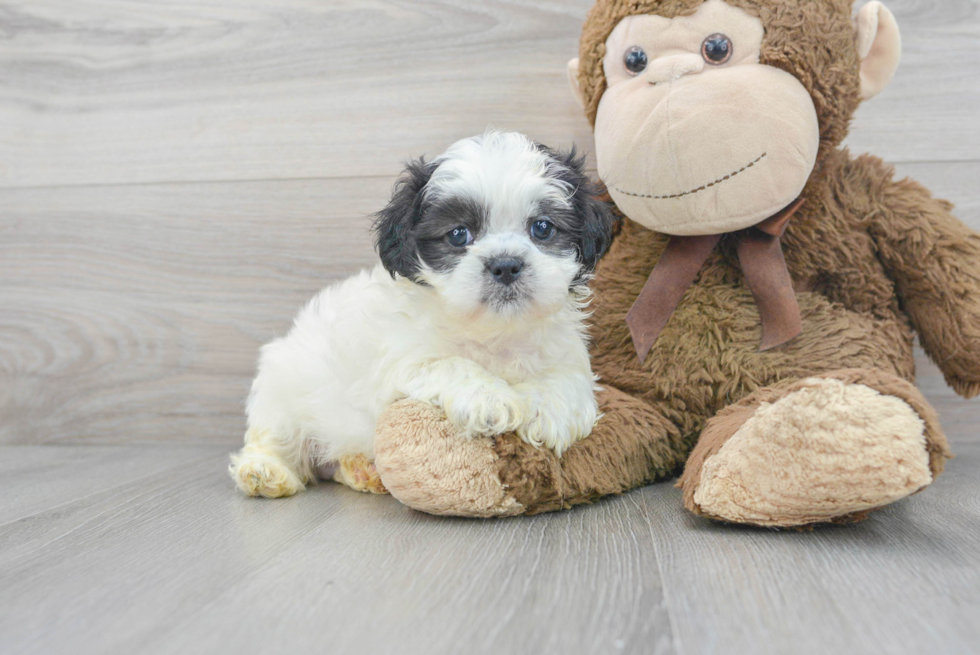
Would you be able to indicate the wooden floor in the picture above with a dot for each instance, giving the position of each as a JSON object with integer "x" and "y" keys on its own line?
{"x": 176, "y": 178}
{"x": 146, "y": 549}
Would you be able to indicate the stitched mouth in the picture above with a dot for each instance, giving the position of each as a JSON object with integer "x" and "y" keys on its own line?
{"x": 700, "y": 188}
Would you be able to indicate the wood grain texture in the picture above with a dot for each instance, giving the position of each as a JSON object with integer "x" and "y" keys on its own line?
{"x": 134, "y": 313}
{"x": 906, "y": 581}
{"x": 39, "y": 478}
{"x": 109, "y": 92}
{"x": 927, "y": 113}
{"x": 179, "y": 561}
{"x": 123, "y": 92}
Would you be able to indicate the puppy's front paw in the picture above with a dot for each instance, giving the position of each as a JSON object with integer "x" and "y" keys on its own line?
{"x": 485, "y": 410}
{"x": 553, "y": 423}
{"x": 261, "y": 474}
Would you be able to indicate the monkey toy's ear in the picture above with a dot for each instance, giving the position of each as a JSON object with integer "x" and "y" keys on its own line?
{"x": 573, "y": 81}
{"x": 879, "y": 46}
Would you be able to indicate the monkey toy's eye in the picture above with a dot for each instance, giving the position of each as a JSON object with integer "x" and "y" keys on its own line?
{"x": 635, "y": 60}
{"x": 460, "y": 237}
{"x": 717, "y": 49}
{"x": 542, "y": 230}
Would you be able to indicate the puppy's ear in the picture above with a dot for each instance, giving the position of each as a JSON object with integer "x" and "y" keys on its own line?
{"x": 596, "y": 218}
{"x": 394, "y": 226}
{"x": 597, "y": 233}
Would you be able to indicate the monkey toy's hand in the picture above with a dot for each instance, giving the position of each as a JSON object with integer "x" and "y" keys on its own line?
{"x": 934, "y": 260}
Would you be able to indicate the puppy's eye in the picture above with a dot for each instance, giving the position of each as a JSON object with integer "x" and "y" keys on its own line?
{"x": 717, "y": 49}
{"x": 542, "y": 230}
{"x": 635, "y": 60}
{"x": 460, "y": 237}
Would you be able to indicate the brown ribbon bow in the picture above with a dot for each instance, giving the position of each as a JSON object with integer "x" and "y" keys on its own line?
{"x": 761, "y": 257}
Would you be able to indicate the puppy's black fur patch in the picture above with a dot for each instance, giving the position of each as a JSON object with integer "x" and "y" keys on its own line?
{"x": 588, "y": 225}
{"x": 394, "y": 226}
{"x": 442, "y": 216}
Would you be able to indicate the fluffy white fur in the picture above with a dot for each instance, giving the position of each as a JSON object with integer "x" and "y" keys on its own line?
{"x": 363, "y": 343}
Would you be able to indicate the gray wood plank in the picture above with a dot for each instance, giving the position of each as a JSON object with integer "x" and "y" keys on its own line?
{"x": 56, "y": 490}
{"x": 135, "y": 313}
{"x": 129, "y": 560}
{"x": 178, "y": 562}
{"x": 99, "y": 367}
{"x": 251, "y": 89}
{"x": 928, "y": 112}
{"x": 37, "y": 478}
{"x": 195, "y": 241}
{"x": 181, "y": 562}
{"x": 103, "y": 93}
{"x": 905, "y": 581}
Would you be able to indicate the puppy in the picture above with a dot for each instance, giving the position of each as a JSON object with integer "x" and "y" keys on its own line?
{"x": 477, "y": 307}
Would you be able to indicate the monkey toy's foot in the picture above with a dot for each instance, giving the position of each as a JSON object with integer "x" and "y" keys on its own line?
{"x": 427, "y": 465}
{"x": 824, "y": 449}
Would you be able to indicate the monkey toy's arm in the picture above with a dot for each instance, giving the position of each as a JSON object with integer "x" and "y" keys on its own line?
{"x": 934, "y": 260}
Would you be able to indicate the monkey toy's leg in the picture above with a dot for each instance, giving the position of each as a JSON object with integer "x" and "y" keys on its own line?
{"x": 824, "y": 449}
{"x": 426, "y": 465}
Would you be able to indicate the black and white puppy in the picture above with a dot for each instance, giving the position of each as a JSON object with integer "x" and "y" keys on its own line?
{"x": 477, "y": 307}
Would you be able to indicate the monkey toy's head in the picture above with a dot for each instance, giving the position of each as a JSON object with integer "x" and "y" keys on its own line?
{"x": 710, "y": 116}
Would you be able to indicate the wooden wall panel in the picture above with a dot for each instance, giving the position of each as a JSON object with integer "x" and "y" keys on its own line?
{"x": 100, "y": 92}
{"x": 175, "y": 180}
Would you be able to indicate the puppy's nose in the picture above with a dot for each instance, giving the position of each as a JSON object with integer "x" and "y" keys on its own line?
{"x": 505, "y": 269}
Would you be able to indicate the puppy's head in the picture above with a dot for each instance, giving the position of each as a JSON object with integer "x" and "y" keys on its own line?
{"x": 497, "y": 224}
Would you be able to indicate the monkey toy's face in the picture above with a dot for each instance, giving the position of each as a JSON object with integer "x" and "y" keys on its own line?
{"x": 693, "y": 135}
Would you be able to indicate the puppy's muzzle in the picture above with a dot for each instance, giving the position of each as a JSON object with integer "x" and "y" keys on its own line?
{"x": 505, "y": 270}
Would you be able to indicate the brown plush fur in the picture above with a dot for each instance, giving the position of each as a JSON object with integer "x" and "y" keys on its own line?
{"x": 873, "y": 261}
{"x": 857, "y": 314}
{"x": 634, "y": 446}
{"x": 811, "y": 40}
{"x": 845, "y": 251}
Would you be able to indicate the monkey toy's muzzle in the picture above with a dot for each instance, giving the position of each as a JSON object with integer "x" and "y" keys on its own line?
{"x": 708, "y": 153}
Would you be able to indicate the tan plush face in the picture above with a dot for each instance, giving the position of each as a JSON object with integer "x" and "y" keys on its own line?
{"x": 693, "y": 135}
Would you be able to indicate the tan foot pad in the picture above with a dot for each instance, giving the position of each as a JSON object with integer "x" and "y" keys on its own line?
{"x": 824, "y": 451}
{"x": 360, "y": 474}
{"x": 430, "y": 468}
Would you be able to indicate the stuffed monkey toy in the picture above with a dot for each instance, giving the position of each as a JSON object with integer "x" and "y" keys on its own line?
{"x": 754, "y": 318}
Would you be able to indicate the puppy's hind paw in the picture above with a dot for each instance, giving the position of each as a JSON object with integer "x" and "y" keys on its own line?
{"x": 359, "y": 473}
{"x": 260, "y": 474}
